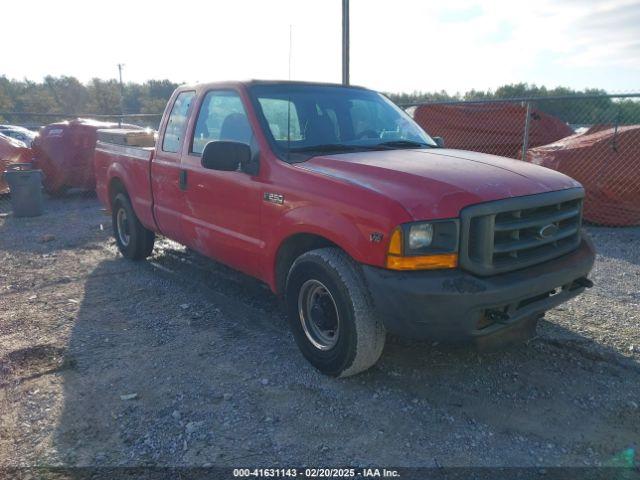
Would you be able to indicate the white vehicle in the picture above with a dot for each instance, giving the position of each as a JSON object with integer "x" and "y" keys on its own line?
{"x": 18, "y": 133}
{"x": 12, "y": 141}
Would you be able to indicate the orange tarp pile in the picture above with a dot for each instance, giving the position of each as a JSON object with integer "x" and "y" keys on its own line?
{"x": 607, "y": 163}
{"x": 495, "y": 128}
{"x": 64, "y": 152}
{"x": 11, "y": 151}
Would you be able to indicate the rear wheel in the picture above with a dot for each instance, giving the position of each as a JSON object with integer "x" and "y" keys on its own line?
{"x": 331, "y": 314}
{"x": 134, "y": 241}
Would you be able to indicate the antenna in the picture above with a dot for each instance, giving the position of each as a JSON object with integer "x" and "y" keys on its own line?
{"x": 290, "y": 47}
{"x": 289, "y": 99}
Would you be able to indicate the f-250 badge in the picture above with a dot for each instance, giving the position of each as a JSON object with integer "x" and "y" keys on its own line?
{"x": 273, "y": 198}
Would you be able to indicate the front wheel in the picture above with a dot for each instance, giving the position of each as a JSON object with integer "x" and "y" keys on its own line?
{"x": 134, "y": 241}
{"x": 331, "y": 314}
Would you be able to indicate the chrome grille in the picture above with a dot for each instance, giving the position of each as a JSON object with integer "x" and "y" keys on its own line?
{"x": 514, "y": 233}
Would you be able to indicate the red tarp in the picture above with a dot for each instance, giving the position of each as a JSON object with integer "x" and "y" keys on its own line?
{"x": 495, "y": 128}
{"x": 11, "y": 151}
{"x": 608, "y": 166}
{"x": 64, "y": 152}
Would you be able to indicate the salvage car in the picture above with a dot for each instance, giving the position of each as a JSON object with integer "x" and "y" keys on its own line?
{"x": 345, "y": 207}
{"x": 22, "y": 134}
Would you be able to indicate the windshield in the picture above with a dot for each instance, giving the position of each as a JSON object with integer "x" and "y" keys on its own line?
{"x": 304, "y": 120}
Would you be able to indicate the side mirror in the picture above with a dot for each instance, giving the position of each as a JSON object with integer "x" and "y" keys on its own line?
{"x": 439, "y": 141}
{"x": 225, "y": 156}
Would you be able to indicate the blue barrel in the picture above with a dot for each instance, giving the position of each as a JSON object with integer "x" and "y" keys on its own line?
{"x": 25, "y": 187}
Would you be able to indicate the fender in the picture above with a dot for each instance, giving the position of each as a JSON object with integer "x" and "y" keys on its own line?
{"x": 351, "y": 236}
{"x": 138, "y": 191}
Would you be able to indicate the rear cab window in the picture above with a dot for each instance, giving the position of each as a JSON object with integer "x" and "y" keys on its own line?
{"x": 177, "y": 124}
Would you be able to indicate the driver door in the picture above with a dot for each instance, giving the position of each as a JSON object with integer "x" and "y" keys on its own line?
{"x": 222, "y": 209}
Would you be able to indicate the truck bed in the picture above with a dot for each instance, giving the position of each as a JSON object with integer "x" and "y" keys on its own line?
{"x": 131, "y": 164}
{"x": 128, "y": 137}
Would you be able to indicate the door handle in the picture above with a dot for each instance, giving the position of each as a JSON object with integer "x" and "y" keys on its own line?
{"x": 183, "y": 179}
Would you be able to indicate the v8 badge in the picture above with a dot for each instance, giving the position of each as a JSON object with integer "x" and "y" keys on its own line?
{"x": 376, "y": 237}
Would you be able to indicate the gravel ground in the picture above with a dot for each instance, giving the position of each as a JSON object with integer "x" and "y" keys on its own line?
{"x": 180, "y": 361}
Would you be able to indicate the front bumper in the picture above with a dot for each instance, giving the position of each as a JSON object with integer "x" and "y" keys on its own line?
{"x": 456, "y": 306}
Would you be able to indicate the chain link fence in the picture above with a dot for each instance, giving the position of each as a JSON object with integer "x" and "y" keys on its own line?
{"x": 592, "y": 138}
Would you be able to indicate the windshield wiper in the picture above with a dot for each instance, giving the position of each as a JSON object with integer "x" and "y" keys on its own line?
{"x": 330, "y": 147}
{"x": 404, "y": 144}
{"x": 341, "y": 147}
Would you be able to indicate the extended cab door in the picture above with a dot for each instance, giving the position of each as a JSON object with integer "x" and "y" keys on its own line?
{"x": 168, "y": 181}
{"x": 222, "y": 209}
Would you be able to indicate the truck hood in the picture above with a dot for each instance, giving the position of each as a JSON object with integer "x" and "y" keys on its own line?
{"x": 438, "y": 183}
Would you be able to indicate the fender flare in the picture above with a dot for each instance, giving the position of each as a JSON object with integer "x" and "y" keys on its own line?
{"x": 321, "y": 222}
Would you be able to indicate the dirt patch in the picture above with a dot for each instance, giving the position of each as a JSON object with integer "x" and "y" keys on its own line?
{"x": 181, "y": 361}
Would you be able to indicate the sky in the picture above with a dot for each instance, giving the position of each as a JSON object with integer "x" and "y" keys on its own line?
{"x": 396, "y": 45}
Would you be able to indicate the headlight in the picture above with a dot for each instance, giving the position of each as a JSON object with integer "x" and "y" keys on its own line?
{"x": 420, "y": 235}
{"x": 424, "y": 246}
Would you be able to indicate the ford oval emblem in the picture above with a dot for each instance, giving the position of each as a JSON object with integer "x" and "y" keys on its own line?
{"x": 548, "y": 231}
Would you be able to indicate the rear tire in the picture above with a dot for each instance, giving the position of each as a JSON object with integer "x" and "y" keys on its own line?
{"x": 134, "y": 241}
{"x": 331, "y": 313}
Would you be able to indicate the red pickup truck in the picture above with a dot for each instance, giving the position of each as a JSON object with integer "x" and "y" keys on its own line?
{"x": 346, "y": 208}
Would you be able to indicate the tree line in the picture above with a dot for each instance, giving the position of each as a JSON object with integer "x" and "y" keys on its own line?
{"x": 67, "y": 96}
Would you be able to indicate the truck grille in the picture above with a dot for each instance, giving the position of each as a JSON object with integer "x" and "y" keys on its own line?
{"x": 515, "y": 233}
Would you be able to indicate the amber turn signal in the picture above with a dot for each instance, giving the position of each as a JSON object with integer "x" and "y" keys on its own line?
{"x": 397, "y": 261}
{"x": 422, "y": 262}
{"x": 395, "y": 243}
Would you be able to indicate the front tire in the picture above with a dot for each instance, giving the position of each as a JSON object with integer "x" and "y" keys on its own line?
{"x": 331, "y": 313}
{"x": 134, "y": 241}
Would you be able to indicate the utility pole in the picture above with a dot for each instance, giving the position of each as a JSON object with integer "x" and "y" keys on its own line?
{"x": 345, "y": 42}
{"x": 120, "y": 66}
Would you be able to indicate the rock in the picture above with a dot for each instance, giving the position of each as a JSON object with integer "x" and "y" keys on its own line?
{"x": 264, "y": 381}
{"x": 129, "y": 396}
{"x": 227, "y": 396}
{"x": 633, "y": 348}
{"x": 184, "y": 306}
{"x": 176, "y": 414}
{"x": 191, "y": 427}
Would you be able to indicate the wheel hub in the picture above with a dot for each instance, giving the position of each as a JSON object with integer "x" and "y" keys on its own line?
{"x": 318, "y": 314}
{"x": 122, "y": 222}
